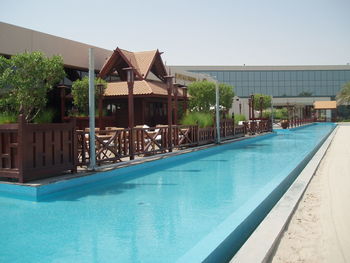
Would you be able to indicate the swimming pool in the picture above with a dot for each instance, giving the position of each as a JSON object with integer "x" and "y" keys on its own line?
{"x": 181, "y": 208}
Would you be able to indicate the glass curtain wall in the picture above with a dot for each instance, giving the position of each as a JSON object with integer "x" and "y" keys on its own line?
{"x": 284, "y": 83}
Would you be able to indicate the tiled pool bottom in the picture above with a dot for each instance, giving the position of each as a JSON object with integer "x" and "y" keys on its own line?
{"x": 187, "y": 208}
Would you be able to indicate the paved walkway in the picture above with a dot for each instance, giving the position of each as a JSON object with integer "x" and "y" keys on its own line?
{"x": 319, "y": 230}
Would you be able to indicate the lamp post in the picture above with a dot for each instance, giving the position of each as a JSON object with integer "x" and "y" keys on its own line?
{"x": 271, "y": 113}
{"x": 130, "y": 81}
{"x": 218, "y": 139}
{"x": 240, "y": 106}
{"x": 261, "y": 101}
{"x": 100, "y": 104}
{"x": 252, "y": 106}
{"x": 169, "y": 81}
{"x": 92, "y": 110}
{"x": 175, "y": 103}
{"x": 184, "y": 90}
{"x": 217, "y": 109}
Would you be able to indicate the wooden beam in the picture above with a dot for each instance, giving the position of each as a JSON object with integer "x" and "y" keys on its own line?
{"x": 63, "y": 101}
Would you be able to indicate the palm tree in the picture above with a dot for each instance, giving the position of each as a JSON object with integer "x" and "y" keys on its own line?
{"x": 344, "y": 94}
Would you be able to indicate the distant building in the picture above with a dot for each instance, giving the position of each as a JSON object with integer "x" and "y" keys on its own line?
{"x": 298, "y": 86}
{"x": 278, "y": 81}
{"x": 150, "y": 89}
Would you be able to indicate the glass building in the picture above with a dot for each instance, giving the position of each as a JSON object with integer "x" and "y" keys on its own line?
{"x": 278, "y": 81}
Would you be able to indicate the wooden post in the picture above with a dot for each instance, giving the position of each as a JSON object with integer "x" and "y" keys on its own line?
{"x": 92, "y": 118}
{"x": 74, "y": 144}
{"x": 184, "y": 90}
{"x": 130, "y": 81}
{"x": 21, "y": 152}
{"x": 143, "y": 111}
{"x": 100, "y": 105}
{"x": 233, "y": 125}
{"x": 261, "y": 100}
{"x": 175, "y": 104}
{"x": 169, "y": 80}
{"x": 250, "y": 108}
{"x": 63, "y": 101}
{"x": 252, "y": 99}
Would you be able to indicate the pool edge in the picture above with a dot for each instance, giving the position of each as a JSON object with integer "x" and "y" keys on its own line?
{"x": 36, "y": 192}
{"x": 265, "y": 238}
{"x": 223, "y": 249}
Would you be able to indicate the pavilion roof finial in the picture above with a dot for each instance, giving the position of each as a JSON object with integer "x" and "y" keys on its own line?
{"x": 142, "y": 62}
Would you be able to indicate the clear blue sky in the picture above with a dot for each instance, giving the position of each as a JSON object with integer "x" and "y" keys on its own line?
{"x": 220, "y": 32}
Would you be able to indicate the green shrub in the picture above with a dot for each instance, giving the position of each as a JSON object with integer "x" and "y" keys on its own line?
{"x": 76, "y": 113}
{"x": 267, "y": 114}
{"x": 266, "y": 101}
{"x": 281, "y": 114}
{"x": 198, "y": 118}
{"x": 8, "y": 117}
{"x": 239, "y": 117}
{"x": 45, "y": 116}
{"x": 80, "y": 93}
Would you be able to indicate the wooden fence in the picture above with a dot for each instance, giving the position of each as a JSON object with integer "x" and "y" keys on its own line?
{"x": 113, "y": 145}
{"x": 34, "y": 151}
{"x": 257, "y": 126}
{"x": 296, "y": 122}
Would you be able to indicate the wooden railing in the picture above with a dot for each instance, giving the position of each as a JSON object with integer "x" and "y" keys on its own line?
{"x": 9, "y": 156}
{"x": 255, "y": 127}
{"x": 35, "y": 151}
{"x": 206, "y": 135}
{"x": 114, "y": 145}
{"x": 111, "y": 146}
{"x": 293, "y": 123}
{"x": 185, "y": 136}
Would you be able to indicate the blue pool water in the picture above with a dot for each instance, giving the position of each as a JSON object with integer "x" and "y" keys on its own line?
{"x": 165, "y": 211}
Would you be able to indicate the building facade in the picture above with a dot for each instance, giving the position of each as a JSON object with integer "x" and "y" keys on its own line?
{"x": 289, "y": 85}
{"x": 278, "y": 81}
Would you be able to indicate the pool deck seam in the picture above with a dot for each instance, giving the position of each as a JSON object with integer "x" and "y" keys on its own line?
{"x": 262, "y": 243}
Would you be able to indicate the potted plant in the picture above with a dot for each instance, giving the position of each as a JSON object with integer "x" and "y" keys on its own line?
{"x": 285, "y": 124}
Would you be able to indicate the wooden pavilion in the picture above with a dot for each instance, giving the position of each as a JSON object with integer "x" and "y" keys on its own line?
{"x": 325, "y": 110}
{"x": 144, "y": 92}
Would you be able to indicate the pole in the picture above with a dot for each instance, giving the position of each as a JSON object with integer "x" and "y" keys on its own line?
{"x": 217, "y": 112}
{"x": 253, "y": 105}
{"x": 184, "y": 90}
{"x": 130, "y": 81}
{"x": 175, "y": 104}
{"x": 271, "y": 113}
{"x": 100, "y": 105}
{"x": 92, "y": 110}
{"x": 170, "y": 111}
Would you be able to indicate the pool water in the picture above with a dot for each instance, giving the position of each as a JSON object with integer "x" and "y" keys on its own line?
{"x": 157, "y": 213}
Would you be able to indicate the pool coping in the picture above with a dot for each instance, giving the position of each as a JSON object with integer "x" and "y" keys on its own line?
{"x": 264, "y": 240}
{"x": 34, "y": 190}
{"x": 50, "y": 180}
{"x": 220, "y": 241}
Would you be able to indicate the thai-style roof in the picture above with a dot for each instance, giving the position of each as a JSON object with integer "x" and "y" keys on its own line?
{"x": 325, "y": 105}
{"x": 141, "y": 87}
{"x": 142, "y": 62}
